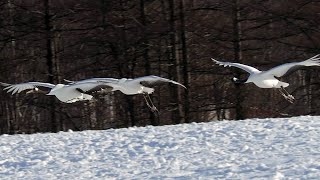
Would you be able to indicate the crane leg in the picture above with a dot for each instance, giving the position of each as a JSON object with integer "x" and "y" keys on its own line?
{"x": 286, "y": 95}
{"x": 150, "y": 104}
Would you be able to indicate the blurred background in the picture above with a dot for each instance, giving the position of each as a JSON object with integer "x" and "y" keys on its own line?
{"x": 52, "y": 40}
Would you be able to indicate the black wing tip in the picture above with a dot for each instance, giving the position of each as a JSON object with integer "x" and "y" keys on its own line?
{"x": 80, "y": 90}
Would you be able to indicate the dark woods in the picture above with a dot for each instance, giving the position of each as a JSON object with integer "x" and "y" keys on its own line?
{"x": 52, "y": 40}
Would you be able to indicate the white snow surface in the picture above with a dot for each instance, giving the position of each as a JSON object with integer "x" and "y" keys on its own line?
{"x": 287, "y": 148}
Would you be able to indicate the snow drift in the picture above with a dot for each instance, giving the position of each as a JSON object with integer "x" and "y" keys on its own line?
{"x": 255, "y": 148}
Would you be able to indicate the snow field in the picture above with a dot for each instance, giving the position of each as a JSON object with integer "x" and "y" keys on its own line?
{"x": 285, "y": 148}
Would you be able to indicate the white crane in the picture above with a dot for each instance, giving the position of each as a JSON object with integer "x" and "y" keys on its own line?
{"x": 140, "y": 85}
{"x": 268, "y": 79}
{"x": 68, "y": 93}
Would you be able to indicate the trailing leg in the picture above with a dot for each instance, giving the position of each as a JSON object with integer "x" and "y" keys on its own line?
{"x": 150, "y": 103}
{"x": 286, "y": 95}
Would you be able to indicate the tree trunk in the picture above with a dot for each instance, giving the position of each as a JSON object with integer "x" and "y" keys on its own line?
{"x": 237, "y": 58}
{"x": 147, "y": 66}
{"x": 185, "y": 66}
{"x": 177, "y": 115}
{"x": 12, "y": 122}
{"x": 50, "y": 62}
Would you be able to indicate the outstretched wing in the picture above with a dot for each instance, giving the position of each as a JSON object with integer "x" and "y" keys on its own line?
{"x": 288, "y": 68}
{"x": 93, "y": 80}
{"x": 154, "y": 80}
{"x": 17, "y": 88}
{"x": 247, "y": 68}
{"x": 91, "y": 87}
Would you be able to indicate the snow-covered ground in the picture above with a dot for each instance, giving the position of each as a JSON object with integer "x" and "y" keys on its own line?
{"x": 286, "y": 148}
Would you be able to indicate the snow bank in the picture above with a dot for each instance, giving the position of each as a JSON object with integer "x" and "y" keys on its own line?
{"x": 255, "y": 148}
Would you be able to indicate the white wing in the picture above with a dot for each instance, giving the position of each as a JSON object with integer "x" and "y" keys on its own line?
{"x": 288, "y": 68}
{"x": 247, "y": 68}
{"x": 17, "y": 88}
{"x": 92, "y": 84}
{"x": 89, "y": 86}
{"x": 94, "y": 80}
{"x": 152, "y": 80}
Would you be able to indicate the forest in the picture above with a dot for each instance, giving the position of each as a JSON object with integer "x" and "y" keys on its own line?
{"x": 53, "y": 40}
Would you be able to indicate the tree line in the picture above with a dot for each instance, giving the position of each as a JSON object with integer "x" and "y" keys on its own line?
{"x": 51, "y": 40}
